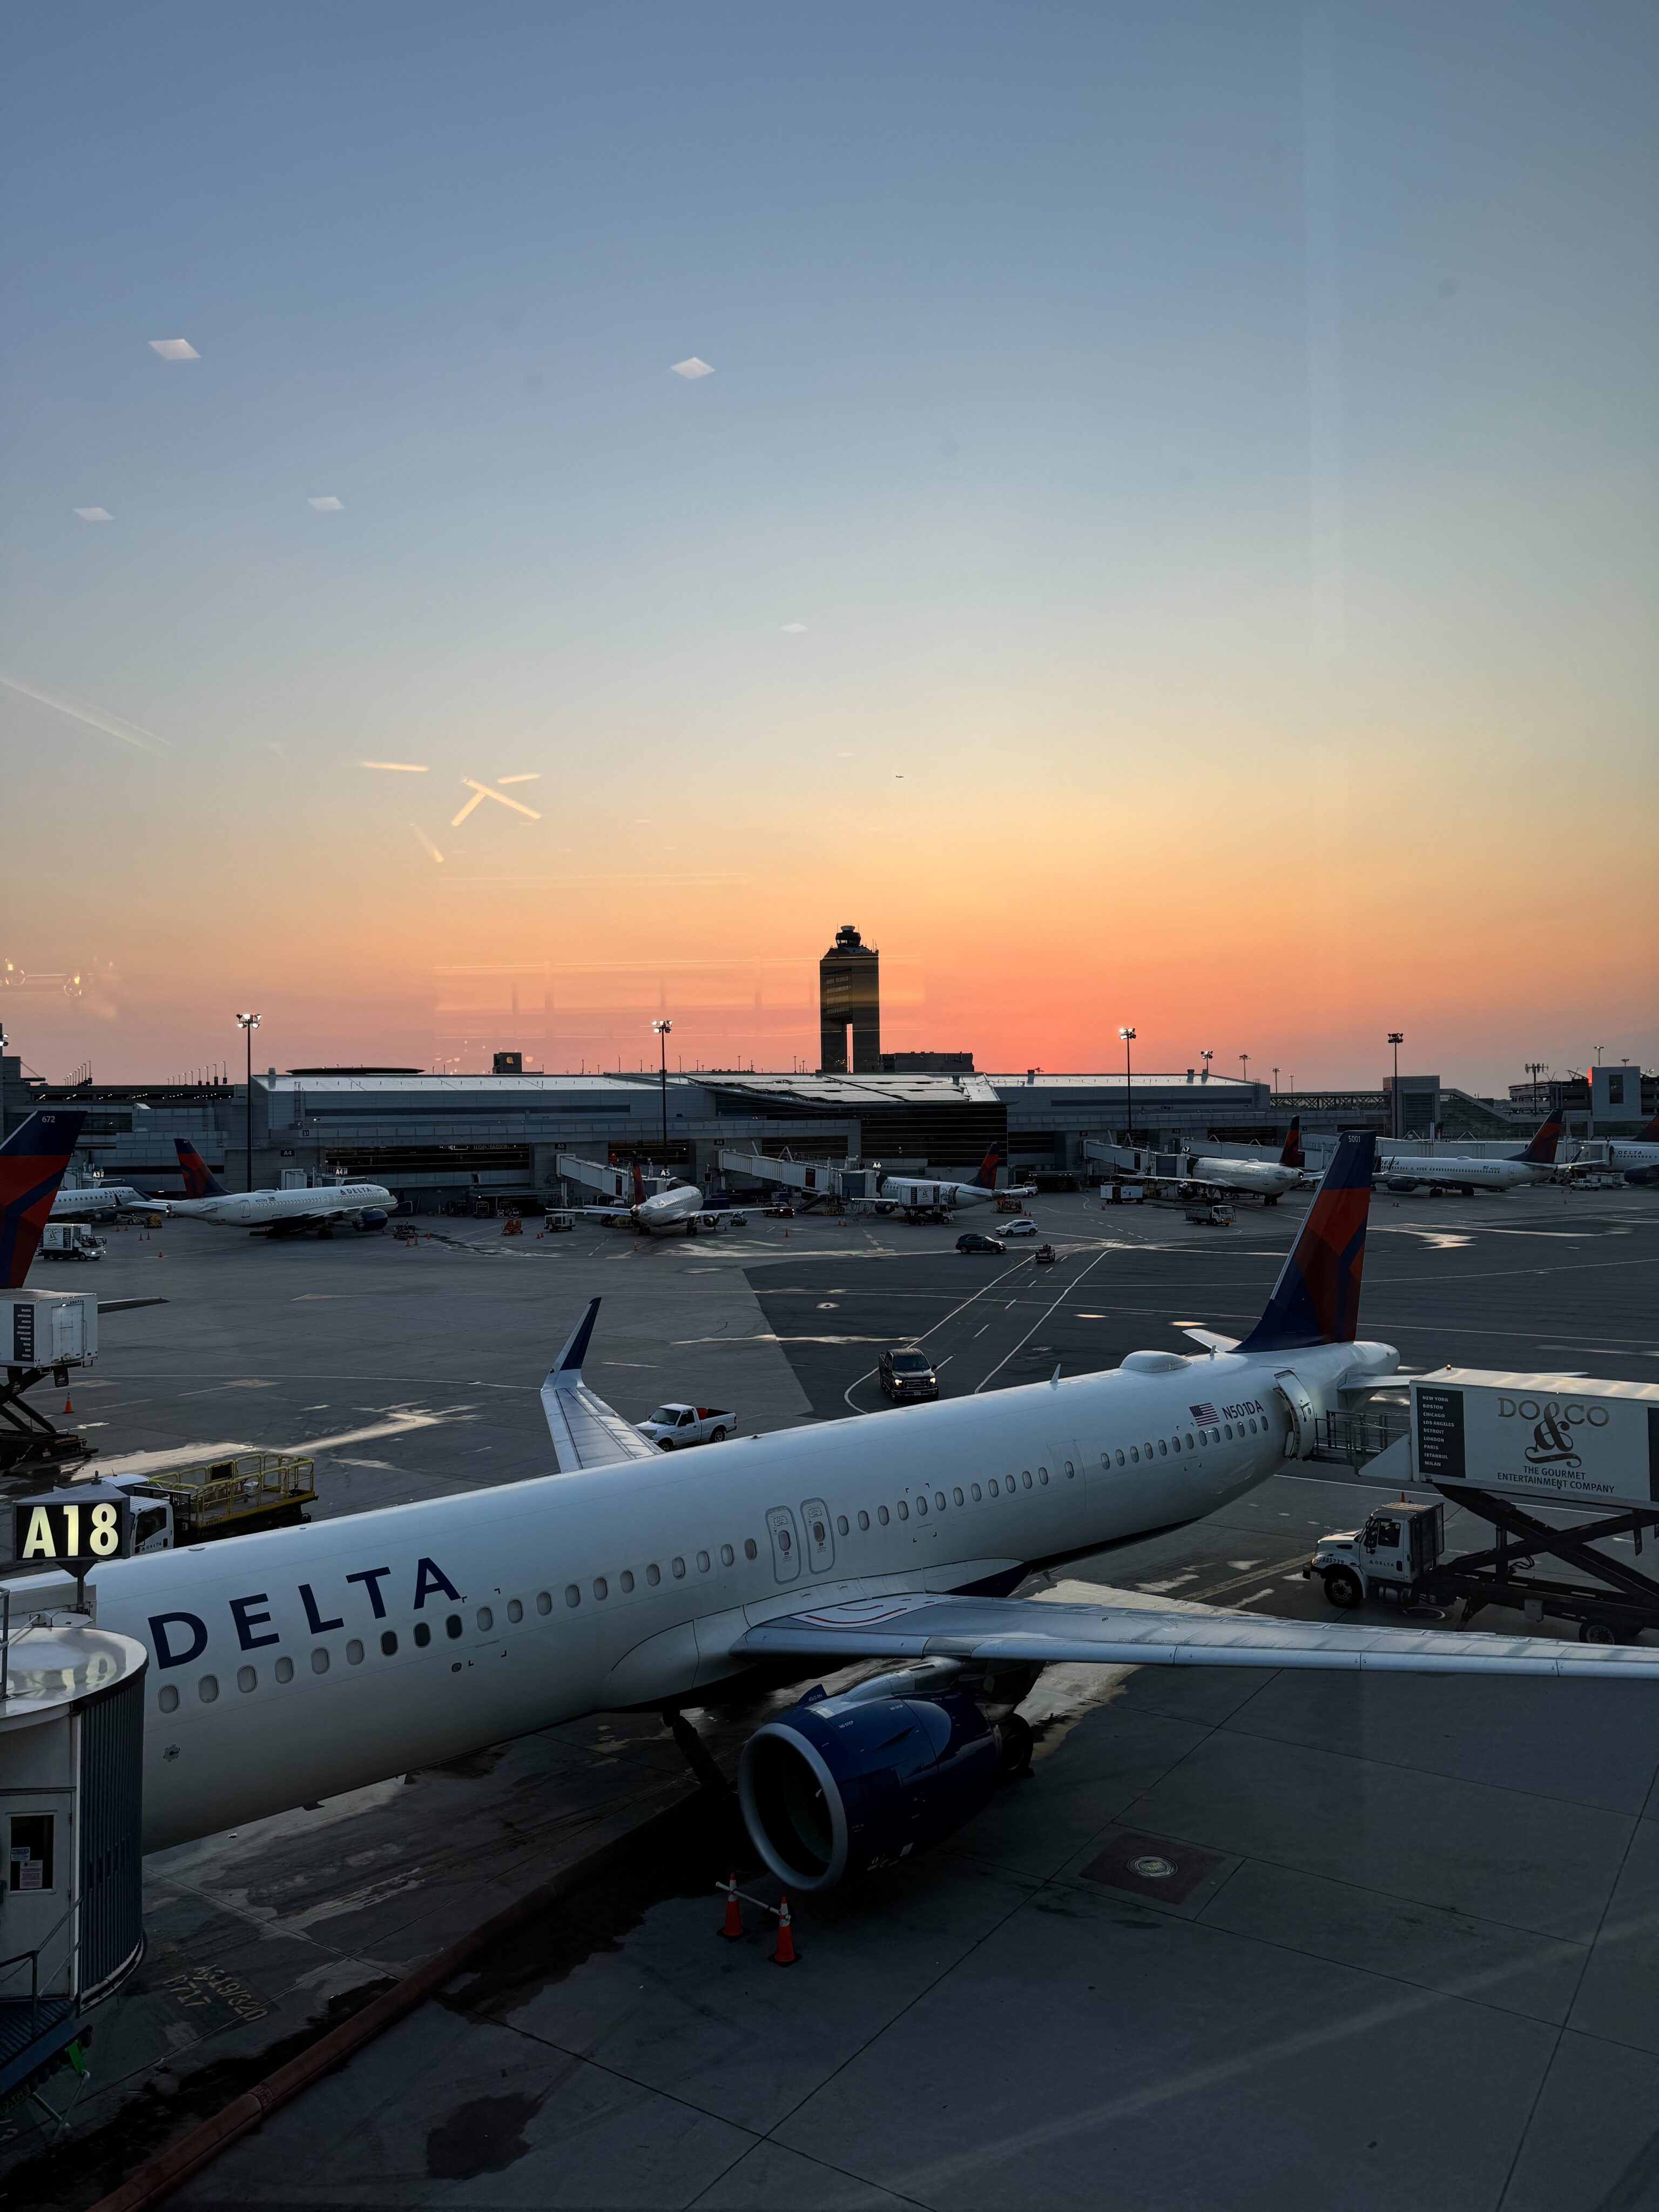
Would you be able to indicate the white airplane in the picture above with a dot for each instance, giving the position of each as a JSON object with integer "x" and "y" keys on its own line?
{"x": 291, "y": 1665}
{"x": 932, "y": 1194}
{"x": 1267, "y": 1180}
{"x": 1444, "y": 1171}
{"x": 94, "y": 1199}
{"x": 279, "y": 1212}
{"x": 678, "y": 1207}
{"x": 1636, "y": 1159}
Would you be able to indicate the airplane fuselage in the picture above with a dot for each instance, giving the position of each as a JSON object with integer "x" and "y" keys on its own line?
{"x": 297, "y": 1663}
{"x": 1450, "y": 1173}
{"x": 265, "y": 1209}
{"x": 107, "y": 1198}
{"x": 1267, "y": 1177}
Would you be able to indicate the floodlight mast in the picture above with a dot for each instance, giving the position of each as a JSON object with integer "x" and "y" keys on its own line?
{"x": 662, "y": 1026}
{"x": 1396, "y": 1038}
{"x": 1129, "y": 1037}
{"x": 247, "y": 1023}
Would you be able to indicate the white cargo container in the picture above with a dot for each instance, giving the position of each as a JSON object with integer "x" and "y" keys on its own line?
{"x": 48, "y": 1328}
{"x": 1567, "y": 1439}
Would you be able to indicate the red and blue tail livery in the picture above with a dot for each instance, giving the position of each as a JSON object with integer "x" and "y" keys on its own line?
{"x": 1316, "y": 1297}
{"x": 31, "y": 1164}
{"x": 1292, "y": 1155}
{"x": 1541, "y": 1151}
{"x": 200, "y": 1182}
{"x": 987, "y": 1177}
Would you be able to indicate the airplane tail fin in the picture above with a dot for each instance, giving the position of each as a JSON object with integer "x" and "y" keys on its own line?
{"x": 1650, "y": 1134}
{"x": 200, "y": 1182}
{"x": 639, "y": 1185}
{"x": 986, "y": 1176}
{"x": 1541, "y": 1152}
{"x": 1316, "y": 1297}
{"x": 31, "y": 1164}
{"x": 1293, "y": 1156}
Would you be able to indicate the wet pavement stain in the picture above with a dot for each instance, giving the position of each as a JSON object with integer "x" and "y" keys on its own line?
{"x": 485, "y": 2136}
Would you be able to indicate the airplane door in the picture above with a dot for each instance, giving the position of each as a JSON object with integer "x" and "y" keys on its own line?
{"x": 820, "y": 1539}
{"x": 1303, "y": 1438}
{"x": 786, "y": 1543}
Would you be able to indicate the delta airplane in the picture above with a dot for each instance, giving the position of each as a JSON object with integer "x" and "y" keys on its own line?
{"x": 291, "y": 1665}
{"x": 921, "y": 1195}
{"x": 1636, "y": 1159}
{"x": 31, "y": 1164}
{"x": 88, "y": 1204}
{"x": 1406, "y": 1170}
{"x": 1267, "y": 1180}
{"x": 279, "y": 1212}
{"x": 677, "y": 1206}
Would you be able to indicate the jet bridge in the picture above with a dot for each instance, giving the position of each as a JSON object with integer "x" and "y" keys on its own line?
{"x": 814, "y": 1179}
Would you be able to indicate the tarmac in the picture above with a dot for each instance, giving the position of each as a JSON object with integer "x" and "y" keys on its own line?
{"x": 1407, "y": 1948}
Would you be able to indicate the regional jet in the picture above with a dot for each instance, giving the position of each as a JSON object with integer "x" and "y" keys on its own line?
{"x": 1444, "y": 1171}
{"x": 1636, "y": 1159}
{"x": 291, "y": 1665}
{"x": 677, "y": 1206}
{"x": 278, "y": 1213}
{"x": 1267, "y": 1180}
{"x": 920, "y": 1196}
{"x": 95, "y": 1200}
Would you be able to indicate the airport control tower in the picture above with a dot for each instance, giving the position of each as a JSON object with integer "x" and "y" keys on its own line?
{"x": 850, "y": 991}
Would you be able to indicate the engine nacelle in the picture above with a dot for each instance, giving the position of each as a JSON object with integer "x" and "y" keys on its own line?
{"x": 373, "y": 1217}
{"x": 1403, "y": 1182}
{"x": 1641, "y": 1176}
{"x": 840, "y": 1786}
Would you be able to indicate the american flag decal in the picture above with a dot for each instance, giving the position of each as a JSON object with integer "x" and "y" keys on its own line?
{"x": 1205, "y": 1413}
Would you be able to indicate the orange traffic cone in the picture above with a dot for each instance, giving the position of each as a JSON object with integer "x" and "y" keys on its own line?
{"x": 732, "y": 1926}
{"x": 68, "y": 1407}
{"x": 786, "y": 1955}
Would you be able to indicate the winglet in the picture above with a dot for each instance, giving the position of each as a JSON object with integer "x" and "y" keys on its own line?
{"x": 1316, "y": 1297}
{"x": 31, "y": 1164}
{"x": 567, "y": 1368}
{"x": 200, "y": 1182}
{"x": 1541, "y": 1152}
{"x": 1293, "y": 1156}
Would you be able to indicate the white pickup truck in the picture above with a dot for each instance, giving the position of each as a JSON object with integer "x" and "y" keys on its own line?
{"x": 673, "y": 1426}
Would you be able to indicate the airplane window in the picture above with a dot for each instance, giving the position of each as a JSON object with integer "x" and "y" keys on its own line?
{"x": 1070, "y": 1472}
{"x": 882, "y": 1516}
{"x": 1043, "y": 1474}
{"x": 784, "y": 1539}
{"x": 977, "y": 1494}
{"x": 1230, "y": 1433}
{"x": 486, "y": 1618}
{"x": 573, "y": 1597}
{"x": 1025, "y": 1477}
{"x": 842, "y": 1525}
{"x": 864, "y": 1520}
{"x": 319, "y": 1659}
{"x": 820, "y": 1533}
{"x": 208, "y": 1688}
{"x": 750, "y": 1548}
{"x": 389, "y": 1642}
{"x": 1252, "y": 1425}
{"x": 246, "y": 1679}
{"x": 903, "y": 1510}
{"x": 653, "y": 1574}
{"x": 703, "y": 1563}
{"x": 627, "y": 1579}
{"x": 601, "y": 1588}
{"x": 1134, "y": 1453}
{"x": 679, "y": 1570}
{"x": 995, "y": 1492}
{"x": 921, "y": 1508}
{"x": 514, "y": 1610}
{"x": 939, "y": 1499}
{"x": 956, "y": 1494}
{"x": 354, "y": 1656}
{"x": 452, "y": 1625}
{"x": 1190, "y": 1445}
{"x": 423, "y": 1635}
{"x": 168, "y": 1700}
{"x": 1176, "y": 1442}
{"x": 284, "y": 1669}
{"x": 728, "y": 1556}
{"x": 1163, "y": 1448}
{"x": 1149, "y": 1449}
{"x": 544, "y": 1600}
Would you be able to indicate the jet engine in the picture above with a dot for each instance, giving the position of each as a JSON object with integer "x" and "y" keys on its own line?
{"x": 373, "y": 1217}
{"x": 1403, "y": 1182}
{"x": 845, "y": 1785}
{"x": 1641, "y": 1176}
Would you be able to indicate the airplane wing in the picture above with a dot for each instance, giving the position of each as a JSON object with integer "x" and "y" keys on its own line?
{"x": 1027, "y": 1629}
{"x": 586, "y": 1432}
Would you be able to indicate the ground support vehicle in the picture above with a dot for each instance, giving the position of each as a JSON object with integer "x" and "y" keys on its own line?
{"x": 1045, "y": 1256}
{"x": 673, "y": 1426}
{"x": 907, "y": 1375}
{"x": 1217, "y": 1215}
{"x": 69, "y": 1240}
{"x": 220, "y": 1498}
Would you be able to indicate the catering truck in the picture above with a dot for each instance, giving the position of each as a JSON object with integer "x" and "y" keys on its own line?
{"x": 1506, "y": 1447}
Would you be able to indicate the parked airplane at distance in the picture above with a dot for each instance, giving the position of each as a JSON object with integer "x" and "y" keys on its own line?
{"x": 1444, "y": 1171}
{"x": 1268, "y": 1180}
{"x": 676, "y": 1208}
{"x": 31, "y": 1164}
{"x": 302, "y": 1661}
{"x": 1636, "y": 1159}
{"x": 279, "y": 1212}
{"x": 933, "y": 1194}
{"x": 91, "y": 1201}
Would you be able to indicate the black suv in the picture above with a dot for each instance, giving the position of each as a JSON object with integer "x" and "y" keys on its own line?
{"x": 972, "y": 1240}
{"x": 908, "y": 1374}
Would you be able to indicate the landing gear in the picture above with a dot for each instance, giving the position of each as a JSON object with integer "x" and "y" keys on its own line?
{"x": 1014, "y": 1742}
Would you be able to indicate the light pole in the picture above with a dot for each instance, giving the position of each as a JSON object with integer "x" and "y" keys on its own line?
{"x": 1396, "y": 1038}
{"x": 1275, "y": 1079}
{"x": 247, "y": 1023}
{"x": 1129, "y": 1037}
{"x": 1244, "y": 1062}
{"x": 662, "y": 1026}
{"x": 1206, "y": 1057}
